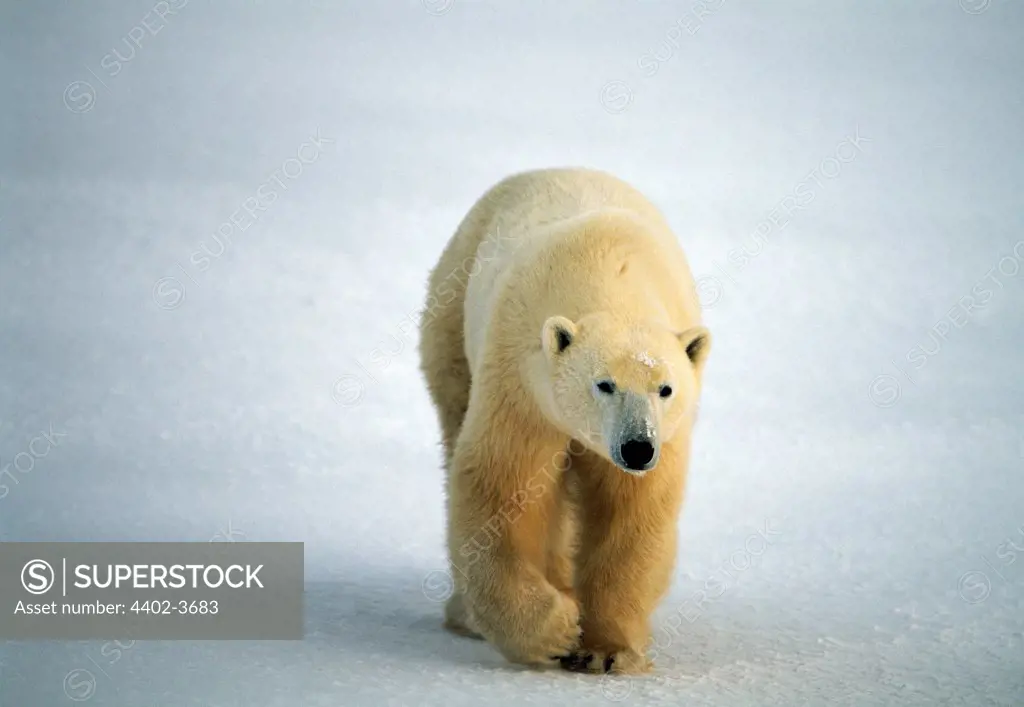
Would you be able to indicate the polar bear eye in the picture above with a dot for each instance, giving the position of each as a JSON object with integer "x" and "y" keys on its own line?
{"x": 665, "y": 391}
{"x": 606, "y": 387}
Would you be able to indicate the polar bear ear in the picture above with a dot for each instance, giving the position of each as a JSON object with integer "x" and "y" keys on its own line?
{"x": 697, "y": 342}
{"x": 556, "y": 335}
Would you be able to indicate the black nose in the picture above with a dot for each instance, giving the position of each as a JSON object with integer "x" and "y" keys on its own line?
{"x": 637, "y": 454}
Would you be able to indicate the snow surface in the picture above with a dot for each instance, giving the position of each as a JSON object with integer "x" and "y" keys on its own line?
{"x": 857, "y": 479}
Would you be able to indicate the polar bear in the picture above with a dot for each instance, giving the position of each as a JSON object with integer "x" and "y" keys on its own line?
{"x": 563, "y": 349}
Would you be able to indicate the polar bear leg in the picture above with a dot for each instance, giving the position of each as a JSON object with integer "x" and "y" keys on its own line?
{"x": 625, "y": 565}
{"x": 504, "y": 482}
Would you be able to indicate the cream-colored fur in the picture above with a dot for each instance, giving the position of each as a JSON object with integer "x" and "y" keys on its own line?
{"x": 556, "y": 281}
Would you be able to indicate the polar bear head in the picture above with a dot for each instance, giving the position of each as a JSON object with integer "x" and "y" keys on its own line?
{"x": 621, "y": 387}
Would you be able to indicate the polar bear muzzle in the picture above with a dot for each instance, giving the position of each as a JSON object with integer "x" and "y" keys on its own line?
{"x": 634, "y": 440}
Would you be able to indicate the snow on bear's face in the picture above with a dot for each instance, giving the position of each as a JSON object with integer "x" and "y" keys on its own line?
{"x": 621, "y": 390}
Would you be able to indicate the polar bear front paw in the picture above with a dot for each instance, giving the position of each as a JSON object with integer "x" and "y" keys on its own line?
{"x": 626, "y": 661}
{"x": 539, "y": 634}
{"x": 562, "y": 632}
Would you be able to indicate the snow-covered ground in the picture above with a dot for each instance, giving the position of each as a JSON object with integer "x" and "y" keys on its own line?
{"x": 858, "y": 478}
